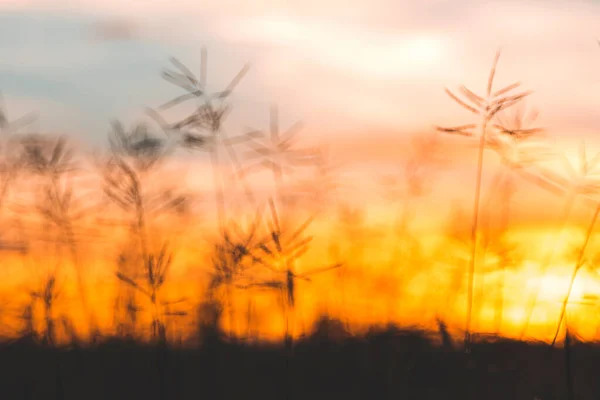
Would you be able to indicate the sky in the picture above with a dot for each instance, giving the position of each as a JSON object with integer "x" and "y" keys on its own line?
{"x": 376, "y": 66}
{"x": 362, "y": 78}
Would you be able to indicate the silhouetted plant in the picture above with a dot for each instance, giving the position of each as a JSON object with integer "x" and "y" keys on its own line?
{"x": 144, "y": 149}
{"x": 232, "y": 258}
{"x": 52, "y": 161}
{"x": 47, "y": 295}
{"x": 127, "y": 306}
{"x": 496, "y": 242}
{"x": 585, "y": 169}
{"x": 486, "y": 108}
{"x": 279, "y": 253}
{"x": 520, "y": 145}
{"x": 135, "y": 156}
{"x": 278, "y": 154}
{"x": 9, "y": 160}
{"x": 580, "y": 181}
{"x": 203, "y": 128}
{"x": 152, "y": 281}
{"x": 453, "y": 254}
{"x": 518, "y": 141}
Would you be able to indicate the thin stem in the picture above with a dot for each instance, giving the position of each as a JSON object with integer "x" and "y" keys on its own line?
{"x": 500, "y": 179}
{"x": 578, "y": 266}
{"x": 486, "y": 228}
{"x": 500, "y": 310}
{"x": 231, "y": 312}
{"x": 139, "y": 229}
{"x": 499, "y": 315}
{"x": 474, "y": 231}
{"x": 219, "y": 196}
{"x": 564, "y": 306}
{"x": 532, "y": 300}
{"x": 290, "y": 307}
{"x": 7, "y": 181}
{"x": 568, "y": 372}
{"x": 68, "y": 236}
{"x": 141, "y": 226}
{"x": 238, "y": 170}
{"x": 157, "y": 322}
{"x": 249, "y": 310}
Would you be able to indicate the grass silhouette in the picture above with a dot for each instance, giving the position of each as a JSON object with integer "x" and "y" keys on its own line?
{"x": 263, "y": 253}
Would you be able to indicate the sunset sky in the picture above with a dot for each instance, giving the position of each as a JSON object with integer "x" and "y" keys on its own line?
{"x": 376, "y": 68}
{"x": 361, "y": 78}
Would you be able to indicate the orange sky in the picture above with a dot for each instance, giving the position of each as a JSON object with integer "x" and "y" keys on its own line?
{"x": 363, "y": 78}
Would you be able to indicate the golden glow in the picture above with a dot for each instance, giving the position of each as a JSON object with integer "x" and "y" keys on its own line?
{"x": 368, "y": 291}
{"x": 346, "y": 74}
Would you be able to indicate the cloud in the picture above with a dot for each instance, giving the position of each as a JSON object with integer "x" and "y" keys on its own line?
{"x": 379, "y": 65}
{"x": 396, "y": 76}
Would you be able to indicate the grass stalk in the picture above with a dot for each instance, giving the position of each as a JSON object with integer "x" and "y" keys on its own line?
{"x": 579, "y": 263}
{"x": 532, "y": 299}
{"x": 568, "y": 370}
{"x": 474, "y": 230}
{"x": 217, "y": 184}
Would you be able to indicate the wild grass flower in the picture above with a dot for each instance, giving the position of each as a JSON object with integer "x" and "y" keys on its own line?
{"x": 46, "y": 156}
{"x": 518, "y": 141}
{"x": 126, "y": 306}
{"x": 9, "y": 160}
{"x": 54, "y": 162}
{"x": 203, "y": 128}
{"x": 136, "y": 156}
{"x": 150, "y": 285}
{"x": 47, "y": 294}
{"x": 142, "y": 148}
{"x": 485, "y": 107}
{"x": 138, "y": 153}
{"x": 521, "y": 147}
{"x": 233, "y": 258}
{"x": 583, "y": 178}
{"x": 285, "y": 245}
{"x": 278, "y": 154}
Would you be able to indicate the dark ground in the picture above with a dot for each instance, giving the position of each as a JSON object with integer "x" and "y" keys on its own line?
{"x": 329, "y": 364}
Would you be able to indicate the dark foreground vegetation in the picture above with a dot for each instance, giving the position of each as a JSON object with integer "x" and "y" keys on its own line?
{"x": 328, "y": 364}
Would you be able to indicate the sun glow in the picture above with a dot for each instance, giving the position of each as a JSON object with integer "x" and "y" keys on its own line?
{"x": 175, "y": 252}
{"x": 372, "y": 289}
{"x": 370, "y": 54}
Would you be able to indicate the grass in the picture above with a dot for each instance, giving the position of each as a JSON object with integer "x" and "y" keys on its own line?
{"x": 390, "y": 363}
{"x": 277, "y": 259}
{"x": 486, "y": 108}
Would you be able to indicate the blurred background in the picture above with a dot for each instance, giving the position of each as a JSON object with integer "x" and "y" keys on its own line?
{"x": 365, "y": 81}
